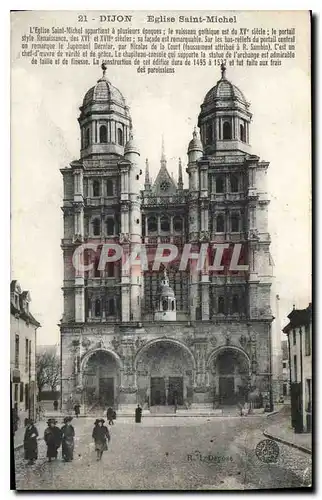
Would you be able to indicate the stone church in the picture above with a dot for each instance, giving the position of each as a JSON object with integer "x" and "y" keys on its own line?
{"x": 181, "y": 338}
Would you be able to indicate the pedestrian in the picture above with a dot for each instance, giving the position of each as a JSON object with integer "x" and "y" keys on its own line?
{"x": 55, "y": 405}
{"x": 67, "y": 434}
{"x": 30, "y": 442}
{"x": 52, "y": 437}
{"x": 15, "y": 418}
{"x": 100, "y": 435}
{"x": 110, "y": 415}
{"x": 138, "y": 414}
{"x": 77, "y": 409}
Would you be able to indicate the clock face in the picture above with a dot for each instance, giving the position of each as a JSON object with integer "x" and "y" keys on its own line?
{"x": 164, "y": 186}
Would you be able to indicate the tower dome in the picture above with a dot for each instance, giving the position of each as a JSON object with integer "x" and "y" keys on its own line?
{"x": 195, "y": 144}
{"x": 166, "y": 310}
{"x": 103, "y": 92}
{"x": 104, "y": 120}
{"x": 224, "y": 118}
{"x": 131, "y": 146}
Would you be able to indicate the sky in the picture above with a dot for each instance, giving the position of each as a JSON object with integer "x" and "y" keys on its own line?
{"x": 45, "y": 137}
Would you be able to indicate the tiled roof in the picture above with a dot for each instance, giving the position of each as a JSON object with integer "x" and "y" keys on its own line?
{"x": 103, "y": 91}
{"x": 225, "y": 90}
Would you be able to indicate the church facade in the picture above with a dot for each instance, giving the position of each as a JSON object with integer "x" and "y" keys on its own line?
{"x": 170, "y": 335}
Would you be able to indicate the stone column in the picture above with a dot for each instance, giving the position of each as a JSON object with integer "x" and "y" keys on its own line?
{"x": 113, "y": 132}
{"x": 205, "y": 297}
{"x": 93, "y": 131}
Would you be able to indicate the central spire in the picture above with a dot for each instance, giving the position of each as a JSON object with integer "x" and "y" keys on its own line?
{"x": 163, "y": 157}
{"x": 223, "y": 70}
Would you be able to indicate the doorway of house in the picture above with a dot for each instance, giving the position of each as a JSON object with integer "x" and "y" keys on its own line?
{"x": 175, "y": 393}
{"x": 227, "y": 390}
{"x": 158, "y": 393}
{"x": 106, "y": 391}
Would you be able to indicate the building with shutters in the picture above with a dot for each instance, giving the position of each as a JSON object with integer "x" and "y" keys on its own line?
{"x": 299, "y": 341}
{"x": 23, "y": 339}
{"x": 172, "y": 336}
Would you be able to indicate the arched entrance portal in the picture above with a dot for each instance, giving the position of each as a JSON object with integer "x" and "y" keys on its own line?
{"x": 164, "y": 373}
{"x": 230, "y": 369}
{"x": 101, "y": 379}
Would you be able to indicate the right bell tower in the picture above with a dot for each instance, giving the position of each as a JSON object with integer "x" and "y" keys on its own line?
{"x": 224, "y": 119}
{"x": 228, "y": 208}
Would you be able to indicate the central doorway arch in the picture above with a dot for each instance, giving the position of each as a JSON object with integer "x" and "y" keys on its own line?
{"x": 165, "y": 370}
{"x": 101, "y": 379}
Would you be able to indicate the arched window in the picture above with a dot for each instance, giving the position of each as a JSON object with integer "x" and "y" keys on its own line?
{"x": 234, "y": 184}
{"x": 172, "y": 305}
{"x": 152, "y": 224}
{"x": 219, "y": 184}
{"x": 110, "y": 307}
{"x": 120, "y": 137}
{"x": 165, "y": 305}
{"x": 226, "y": 131}
{"x": 234, "y": 223}
{"x": 103, "y": 134}
{"x": 177, "y": 224}
{"x": 97, "y": 308}
{"x": 109, "y": 188}
{"x": 209, "y": 133}
{"x": 235, "y": 304}
{"x": 96, "y": 227}
{"x": 109, "y": 227}
{"x": 96, "y": 188}
{"x": 221, "y": 305}
{"x": 110, "y": 269}
{"x": 87, "y": 137}
{"x": 97, "y": 273}
{"x": 242, "y": 134}
{"x": 165, "y": 224}
{"x": 220, "y": 224}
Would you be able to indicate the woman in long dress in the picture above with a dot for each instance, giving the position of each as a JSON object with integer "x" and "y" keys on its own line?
{"x": 67, "y": 434}
{"x": 30, "y": 442}
{"x": 52, "y": 437}
{"x": 100, "y": 436}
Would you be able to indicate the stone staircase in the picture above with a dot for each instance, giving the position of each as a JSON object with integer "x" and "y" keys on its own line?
{"x": 162, "y": 410}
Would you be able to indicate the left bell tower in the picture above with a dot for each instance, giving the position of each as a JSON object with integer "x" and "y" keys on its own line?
{"x": 94, "y": 214}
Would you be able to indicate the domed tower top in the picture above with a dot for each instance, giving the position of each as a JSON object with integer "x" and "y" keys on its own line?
{"x": 166, "y": 309}
{"x": 224, "y": 118}
{"x": 104, "y": 120}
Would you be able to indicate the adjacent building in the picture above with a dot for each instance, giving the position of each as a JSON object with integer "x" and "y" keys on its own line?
{"x": 299, "y": 336}
{"x": 286, "y": 370}
{"x": 23, "y": 336}
{"x": 171, "y": 336}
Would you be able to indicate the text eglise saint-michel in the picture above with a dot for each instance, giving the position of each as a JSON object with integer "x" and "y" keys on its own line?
{"x": 150, "y": 18}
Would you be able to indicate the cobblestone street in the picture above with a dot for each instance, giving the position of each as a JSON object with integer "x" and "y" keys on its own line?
{"x": 168, "y": 453}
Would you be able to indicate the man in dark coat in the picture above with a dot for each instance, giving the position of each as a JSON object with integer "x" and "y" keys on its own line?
{"x": 30, "y": 442}
{"x": 55, "y": 405}
{"x": 100, "y": 435}
{"x": 138, "y": 414}
{"x": 110, "y": 415}
{"x": 52, "y": 437}
{"x": 68, "y": 434}
{"x": 77, "y": 409}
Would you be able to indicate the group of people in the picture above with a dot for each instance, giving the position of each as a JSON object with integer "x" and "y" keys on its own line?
{"x": 54, "y": 437}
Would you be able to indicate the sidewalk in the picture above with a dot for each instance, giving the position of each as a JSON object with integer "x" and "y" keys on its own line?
{"x": 284, "y": 433}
